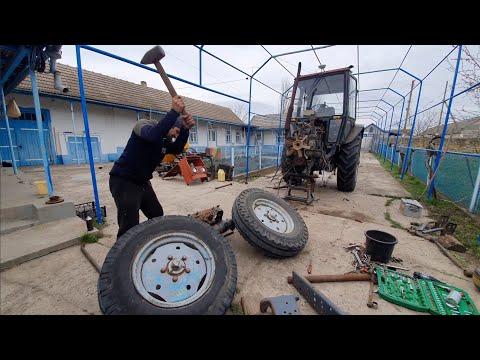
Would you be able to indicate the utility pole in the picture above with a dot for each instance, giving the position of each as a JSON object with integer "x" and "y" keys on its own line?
{"x": 441, "y": 111}
{"x": 408, "y": 106}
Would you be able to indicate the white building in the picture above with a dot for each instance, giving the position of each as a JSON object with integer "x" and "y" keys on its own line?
{"x": 113, "y": 107}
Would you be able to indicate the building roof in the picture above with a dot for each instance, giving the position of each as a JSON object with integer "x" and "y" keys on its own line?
{"x": 107, "y": 89}
{"x": 268, "y": 121}
{"x": 465, "y": 127}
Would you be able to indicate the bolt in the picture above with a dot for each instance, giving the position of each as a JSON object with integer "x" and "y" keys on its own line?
{"x": 163, "y": 270}
{"x": 175, "y": 278}
{"x": 170, "y": 257}
{"x": 187, "y": 270}
{"x": 184, "y": 257}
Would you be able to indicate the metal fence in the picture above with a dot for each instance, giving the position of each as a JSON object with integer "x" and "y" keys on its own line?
{"x": 261, "y": 157}
{"x": 457, "y": 179}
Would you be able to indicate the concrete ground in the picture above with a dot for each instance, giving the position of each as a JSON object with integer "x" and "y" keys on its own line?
{"x": 64, "y": 282}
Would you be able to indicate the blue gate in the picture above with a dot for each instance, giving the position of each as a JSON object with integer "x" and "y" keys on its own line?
{"x": 26, "y": 143}
{"x": 82, "y": 150}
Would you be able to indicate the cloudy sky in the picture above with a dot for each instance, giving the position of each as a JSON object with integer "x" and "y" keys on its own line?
{"x": 183, "y": 61}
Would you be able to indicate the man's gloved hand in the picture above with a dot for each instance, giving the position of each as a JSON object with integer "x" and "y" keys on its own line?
{"x": 187, "y": 121}
{"x": 177, "y": 104}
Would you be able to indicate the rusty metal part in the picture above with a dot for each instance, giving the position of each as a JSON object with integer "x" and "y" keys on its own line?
{"x": 292, "y": 99}
{"x": 210, "y": 216}
{"x": 334, "y": 278}
{"x": 224, "y": 226}
{"x": 89, "y": 258}
{"x": 281, "y": 305}
{"x": 314, "y": 297}
{"x": 244, "y": 306}
{"x": 351, "y": 246}
{"x": 371, "y": 303}
{"x": 54, "y": 200}
{"x": 298, "y": 145}
{"x": 309, "y": 268}
{"x": 219, "y": 187}
{"x": 309, "y": 187}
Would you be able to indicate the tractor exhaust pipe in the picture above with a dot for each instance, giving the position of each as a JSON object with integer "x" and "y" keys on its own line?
{"x": 290, "y": 108}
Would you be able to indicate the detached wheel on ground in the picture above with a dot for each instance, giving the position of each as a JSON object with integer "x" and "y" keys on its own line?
{"x": 347, "y": 164}
{"x": 171, "y": 265}
{"x": 269, "y": 223}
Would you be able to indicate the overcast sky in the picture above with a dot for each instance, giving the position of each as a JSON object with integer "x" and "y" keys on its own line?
{"x": 183, "y": 61}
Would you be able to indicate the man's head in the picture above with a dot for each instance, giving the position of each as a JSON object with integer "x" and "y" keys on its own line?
{"x": 175, "y": 129}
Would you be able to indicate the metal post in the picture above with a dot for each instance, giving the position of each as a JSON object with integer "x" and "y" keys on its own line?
{"x": 407, "y": 152}
{"x": 200, "y": 57}
{"x": 248, "y": 128}
{"x": 441, "y": 111}
{"x": 476, "y": 191}
{"x": 389, "y": 130}
{"x": 279, "y": 129}
{"x": 74, "y": 133}
{"x": 444, "y": 133}
{"x": 38, "y": 114}
{"x": 9, "y": 136}
{"x": 260, "y": 156}
{"x": 87, "y": 135}
{"x": 398, "y": 132}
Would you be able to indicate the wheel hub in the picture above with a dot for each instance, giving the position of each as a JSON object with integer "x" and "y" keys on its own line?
{"x": 273, "y": 216}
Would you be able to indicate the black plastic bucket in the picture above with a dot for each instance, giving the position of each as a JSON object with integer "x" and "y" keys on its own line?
{"x": 379, "y": 245}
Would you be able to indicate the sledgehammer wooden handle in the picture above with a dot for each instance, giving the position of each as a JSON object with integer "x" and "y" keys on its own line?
{"x": 165, "y": 79}
{"x": 333, "y": 278}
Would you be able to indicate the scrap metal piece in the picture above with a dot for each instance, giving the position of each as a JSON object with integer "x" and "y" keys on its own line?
{"x": 281, "y": 305}
{"x": 371, "y": 303}
{"x": 210, "y": 216}
{"x": 314, "y": 297}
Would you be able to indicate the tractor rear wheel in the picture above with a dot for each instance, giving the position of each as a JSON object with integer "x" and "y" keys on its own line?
{"x": 347, "y": 164}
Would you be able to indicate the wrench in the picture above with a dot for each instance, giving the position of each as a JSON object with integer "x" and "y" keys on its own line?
{"x": 359, "y": 261}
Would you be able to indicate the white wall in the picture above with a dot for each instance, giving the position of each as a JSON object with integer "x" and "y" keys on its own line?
{"x": 113, "y": 126}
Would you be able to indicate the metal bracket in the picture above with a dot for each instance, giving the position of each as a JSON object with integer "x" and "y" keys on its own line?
{"x": 315, "y": 298}
{"x": 281, "y": 305}
{"x": 309, "y": 187}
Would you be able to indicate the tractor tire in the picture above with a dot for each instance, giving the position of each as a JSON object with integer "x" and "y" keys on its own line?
{"x": 284, "y": 236}
{"x": 347, "y": 164}
{"x": 138, "y": 275}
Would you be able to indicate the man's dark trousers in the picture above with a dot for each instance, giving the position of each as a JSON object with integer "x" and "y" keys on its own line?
{"x": 130, "y": 198}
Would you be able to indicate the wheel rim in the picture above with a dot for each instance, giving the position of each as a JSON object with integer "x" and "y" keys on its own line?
{"x": 273, "y": 216}
{"x": 173, "y": 270}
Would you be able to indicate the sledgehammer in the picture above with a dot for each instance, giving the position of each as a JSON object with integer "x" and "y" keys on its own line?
{"x": 333, "y": 278}
{"x": 153, "y": 56}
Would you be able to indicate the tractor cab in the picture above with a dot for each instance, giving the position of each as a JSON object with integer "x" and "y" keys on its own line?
{"x": 329, "y": 97}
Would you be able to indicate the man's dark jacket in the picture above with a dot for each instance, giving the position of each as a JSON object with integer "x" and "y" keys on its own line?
{"x": 146, "y": 148}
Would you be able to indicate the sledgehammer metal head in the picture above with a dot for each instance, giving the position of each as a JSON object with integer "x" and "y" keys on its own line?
{"x": 153, "y": 55}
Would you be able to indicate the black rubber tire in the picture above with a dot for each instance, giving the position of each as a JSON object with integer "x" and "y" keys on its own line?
{"x": 269, "y": 242}
{"x": 347, "y": 164}
{"x": 117, "y": 293}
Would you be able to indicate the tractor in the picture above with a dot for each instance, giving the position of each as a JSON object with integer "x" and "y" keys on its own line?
{"x": 320, "y": 131}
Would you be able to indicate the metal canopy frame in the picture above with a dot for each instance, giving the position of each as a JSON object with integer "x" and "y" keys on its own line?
{"x": 381, "y": 123}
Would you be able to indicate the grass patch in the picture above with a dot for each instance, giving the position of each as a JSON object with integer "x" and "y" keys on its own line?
{"x": 89, "y": 238}
{"x": 468, "y": 226}
{"x": 236, "y": 309}
{"x": 393, "y": 222}
{"x": 389, "y": 202}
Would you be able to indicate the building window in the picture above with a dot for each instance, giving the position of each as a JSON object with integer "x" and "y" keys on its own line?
{"x": 193, "y": 134}
{"x": 281, "y": 137}
{"x": 228, "y": 138}
{"x": 238, "y": 137}
{"x": 371, "y": 129}
{"x": 258, "y": 138}
{"x": 212, "y": 135}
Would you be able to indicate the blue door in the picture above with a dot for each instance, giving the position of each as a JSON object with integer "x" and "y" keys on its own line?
{"x": 25, "y": 140}
{"x": 82, "y": 149}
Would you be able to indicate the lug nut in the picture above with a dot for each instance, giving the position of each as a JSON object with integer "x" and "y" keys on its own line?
{"x": 175, "y": 278}
{"x": 170, "y": 257}
{"x": 187, "y": 270}
{"x": 184, "y": 257}
{"x": 162, "y": 270}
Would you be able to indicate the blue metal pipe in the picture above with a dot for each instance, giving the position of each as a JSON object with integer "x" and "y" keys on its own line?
{"x": 265, "y": 63}
{"x": 375, "y": 71}
{"x": 9, "y": 136}
{"x": 280, "y": 128}
{"x": 155, "y": 71}
{"x": 19, "y": 56}
{"x": 406, "y": 72}
{"x": 248, "y": 130}
{"x": 300, "y": 51}
{"x": 390, "y": 128}
{"x": 404, "y": 168}
{"x": 87, "y": 135}
{"x": 38, "y": 114}
{"x": 448, "y": 152}
{"x": 442, "y": 141}
{"x": 200, "y": 58}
